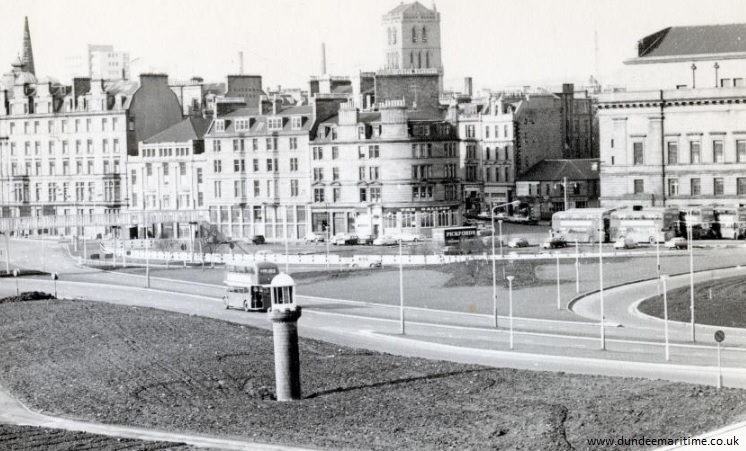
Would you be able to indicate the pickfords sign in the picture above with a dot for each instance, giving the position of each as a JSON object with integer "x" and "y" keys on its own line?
{"x": 452, "y": 236}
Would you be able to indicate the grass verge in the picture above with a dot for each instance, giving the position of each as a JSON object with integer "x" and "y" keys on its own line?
{"x": 145, "y": 367}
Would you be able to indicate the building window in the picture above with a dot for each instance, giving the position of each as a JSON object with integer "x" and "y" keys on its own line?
{"x": 297, "y": 122}
{"x": 274, "y": 123}
{"x": 293, "y": 188}
{"x": 375, "y": 194}
{"x": 238, "y": 145}
{"x": 673, "y": 153}
{"x": 335, "y": 152}
{"x": 257, "y": 189}
{"x": 741, "y": 151}
{"x": 638, "y": 153}
{"x": 673, "y": 187}
{"x": 363, "y": 195}
{"x": 639, "y": 186}
{"x": 318, "y": 194}
{"x": 335, "y": 173}
{"x": 217, "y": 166}
{"x": 293, "y": 143}
{"x": 199, "y": 175}
{"x": 238, "y": 166}
{"x": 318, "y": 153}
{"x": 374, "y": 172}
{"x": 694, "y": 151}
{"x": 218, "y": 189}
{"x": 718, "y": 187}
{"x": 741, "y": 186}
{"x": 293, "y": 164}
{"x": 717, "y": 151}
{"x": 318, "y": 174}
{"x": 696, "y": 187}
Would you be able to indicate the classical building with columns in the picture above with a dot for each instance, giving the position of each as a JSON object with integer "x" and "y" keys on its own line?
{"x": 682, "y": 141}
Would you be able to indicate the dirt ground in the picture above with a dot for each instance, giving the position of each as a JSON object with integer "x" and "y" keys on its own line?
{"x": 716, "y": 302}
{"x": 145, "y": 367}
{"x": 29, "y": 438}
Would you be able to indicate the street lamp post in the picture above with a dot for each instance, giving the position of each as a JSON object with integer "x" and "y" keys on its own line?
{"x": 500, "y": 226}
{"x": 494, "y": 269}
{"x": 716, "y": 66}
{"x": 663, "y": 279}
{"x": 694, "y": 69}
{"x": 510, "y": 307}
{"x": 577, "y": 267}
{"x": 691, "y": 273}
{"x": 401, "y": 286}
{"x": 658, "y": 258}
{"x": 601, "y": 283}
{"x": 147, "y": 261}
{"x": 559, "y": 296}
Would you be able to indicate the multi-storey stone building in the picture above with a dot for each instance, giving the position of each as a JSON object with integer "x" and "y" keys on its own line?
{"x": 167, "y": 173}
{"x": 63, "y": 149}
{"x": 385, "y": 171}
{"x": 257, "y": 171}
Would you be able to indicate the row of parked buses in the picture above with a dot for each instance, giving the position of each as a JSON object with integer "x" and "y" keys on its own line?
{"x": 656, "y": 224}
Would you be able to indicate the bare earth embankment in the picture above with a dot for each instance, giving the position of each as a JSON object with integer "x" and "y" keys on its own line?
{"x": 151, "y": 368}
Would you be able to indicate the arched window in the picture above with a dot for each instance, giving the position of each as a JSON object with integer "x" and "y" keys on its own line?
{"x": 424, "y": 34}
{"x": 427, "y": 59}
{"x": 414, "y": 34}
{"x": 419, "y": 60}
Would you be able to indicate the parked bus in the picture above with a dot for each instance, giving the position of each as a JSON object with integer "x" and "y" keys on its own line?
{"x": 585, "y": 225}
{"x": 730, "y": 222}
{"x": 650, "y": 225}
{"x": 248, "y": 285}
{"x": 701, "y": 219}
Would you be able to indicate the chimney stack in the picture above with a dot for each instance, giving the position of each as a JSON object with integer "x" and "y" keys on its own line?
{"x": 467, "y": 86}
{"x": 323, "y": 59}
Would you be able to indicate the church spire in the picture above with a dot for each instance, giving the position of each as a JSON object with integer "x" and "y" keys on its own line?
{"x": 28, "y": 52}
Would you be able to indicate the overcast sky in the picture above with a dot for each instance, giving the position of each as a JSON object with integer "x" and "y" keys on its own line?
{"x": 497, "y": 42}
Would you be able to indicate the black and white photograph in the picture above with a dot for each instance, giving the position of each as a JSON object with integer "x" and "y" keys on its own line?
{"x": 372, "y": 225}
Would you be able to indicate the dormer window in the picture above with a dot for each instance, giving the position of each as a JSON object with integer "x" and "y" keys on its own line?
{"x": 242, "y": 124}
{"x": 220, "y": 125}
{"x": 274, "y": 123}
{"x": 297, "y": 122}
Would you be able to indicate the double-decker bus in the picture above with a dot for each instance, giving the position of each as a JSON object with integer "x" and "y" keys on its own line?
{"x": 650, "y": 225}
{"x": 585, "y": 225}
{"x": 730, "y": 222}
{"x": 701, "y": 220}
{"x": 248, "y": 285}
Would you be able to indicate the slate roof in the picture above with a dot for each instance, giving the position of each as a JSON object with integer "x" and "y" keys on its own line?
{"x": 190, "y": 129}
{"x": 414, "y": 7}
{"x": 259, "y": 124}
{"x": 552, "y": 170}
{"x": 694, "y": 40}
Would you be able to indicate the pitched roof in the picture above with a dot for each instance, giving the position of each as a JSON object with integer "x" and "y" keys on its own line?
{"x": 189, "y": 129}
{"x": 552, "y": 170}
{"x": 693, "y": 40}
{"x": 409, "y": 8}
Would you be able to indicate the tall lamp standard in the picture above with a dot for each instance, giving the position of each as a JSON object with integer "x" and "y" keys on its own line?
{"x": 601, "y": 280}
{"x": 665, "y": 314}
{"x": 494, "y": 267}
{"x": 691, "y": 271}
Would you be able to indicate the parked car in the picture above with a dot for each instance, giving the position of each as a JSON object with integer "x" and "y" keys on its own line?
{"x": 257, "y": 239}
{"x": 484, "y": 215}
{"x": 452, "y": 250}
{"x": 264, "y": 252}
{"x": 366, "y": 261}
{"x": 409, "y": 238}
{"x": 676, "y": 243}
{"x": 518, "y": 242}
{"x": 554, "y": 242}
{"x": 625, "y": 243}
{"x": 365, "y": 239}
{"x": 315, "y": 237}
{"x": 384, "y": 240}
{"x": 343, "y": 238}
